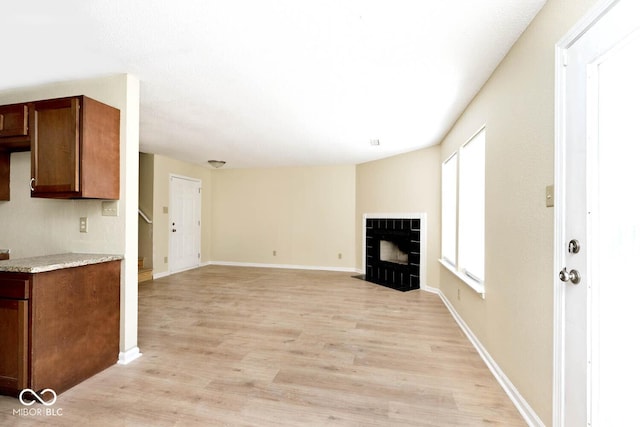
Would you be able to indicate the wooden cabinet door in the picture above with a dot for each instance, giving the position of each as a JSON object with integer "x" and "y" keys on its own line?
{"x": 13, "y": 345}
{"x": 75, "y": 330}
{"x": 55, "y": 146}
{"x": 14, "y": 128}
{"x": 5, "y": 163}
{"x": 14, "y": 120}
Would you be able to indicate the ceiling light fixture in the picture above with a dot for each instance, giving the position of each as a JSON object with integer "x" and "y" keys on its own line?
{"x": 374, "y": 141}
{"x": 217, "y": 163}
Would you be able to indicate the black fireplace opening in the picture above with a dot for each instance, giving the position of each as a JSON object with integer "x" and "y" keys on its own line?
{"x": 393, "y": 252}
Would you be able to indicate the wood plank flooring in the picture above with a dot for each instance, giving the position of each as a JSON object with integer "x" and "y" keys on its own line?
{"x": 266, "y": 347}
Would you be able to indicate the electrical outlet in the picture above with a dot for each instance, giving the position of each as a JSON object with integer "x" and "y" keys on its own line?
{"x": 458, "y": 294}
{"x": 166, "y": 259}
{"x": 275, "y": 253}
{"x": 84, "y": 224}
{"x": 339, "y": 256}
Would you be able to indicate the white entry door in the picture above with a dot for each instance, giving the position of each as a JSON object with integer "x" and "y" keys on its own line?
{"x": 184, "y": 223}
{"x": 597, "y": 369}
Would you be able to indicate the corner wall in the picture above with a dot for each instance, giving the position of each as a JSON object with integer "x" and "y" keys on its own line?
{"x": 406, "y": 183}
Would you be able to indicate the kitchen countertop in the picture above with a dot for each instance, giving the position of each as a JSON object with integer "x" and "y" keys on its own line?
{"x": 40, "y": 264}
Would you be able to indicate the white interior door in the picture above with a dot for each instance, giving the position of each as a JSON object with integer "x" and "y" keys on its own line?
{"x": 184, "y": 223}
{"x": 597, "y": 291}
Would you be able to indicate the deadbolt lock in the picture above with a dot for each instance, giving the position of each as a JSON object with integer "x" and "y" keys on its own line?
{"x": 574, "y": 246}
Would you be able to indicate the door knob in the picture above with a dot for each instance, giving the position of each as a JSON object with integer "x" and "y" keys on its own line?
{"x": 572, "y": 276}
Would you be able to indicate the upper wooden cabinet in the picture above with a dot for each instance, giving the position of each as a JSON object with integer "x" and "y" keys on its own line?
{"x": 14, "y": 127}
{"x": 75, "y": 149}
{"x": 5, "y": 175}
{"x": 14, "y": 136}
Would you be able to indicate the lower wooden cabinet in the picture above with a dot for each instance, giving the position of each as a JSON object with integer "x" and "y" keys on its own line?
{"x": 14, "y": 344}
{"x": 62, "y": 326}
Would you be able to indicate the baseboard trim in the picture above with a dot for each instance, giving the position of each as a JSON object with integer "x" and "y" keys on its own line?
{"x": 161, "y": 275}
{"x": 431, "y": 290}
{"x": 126, "y": 357}
{"x": 169, "y": 273}
{"x": 520, "y": 403}
{"x": 284, "y": 266}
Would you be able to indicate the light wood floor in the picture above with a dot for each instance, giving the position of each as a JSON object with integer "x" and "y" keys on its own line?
{"x": 264, "y": 347}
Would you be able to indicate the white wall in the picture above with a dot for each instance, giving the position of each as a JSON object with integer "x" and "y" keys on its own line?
{"x": 32, "y": 227}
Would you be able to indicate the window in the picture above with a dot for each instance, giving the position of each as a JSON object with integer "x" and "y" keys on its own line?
{"x": 463, "y": 177}
{"x": 450, "y": 210}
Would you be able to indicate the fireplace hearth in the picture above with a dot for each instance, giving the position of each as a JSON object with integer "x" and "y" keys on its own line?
{"x": 393, "y": 251}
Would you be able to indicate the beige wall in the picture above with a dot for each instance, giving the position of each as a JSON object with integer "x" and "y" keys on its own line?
{"x": 406, "y": 183}
{"x": 305, "y": 214}
{"x": 515, "y": 321}
{"x": 145, "y": 203}
{"x": 31, "y": 227}
{"x": 163, "y": 168}
{"x": 310, "y": 214}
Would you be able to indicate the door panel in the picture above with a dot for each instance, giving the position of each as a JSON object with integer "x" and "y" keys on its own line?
{"x": 184, "y": 230}
{"x": 599, "y": 208}
{"x": 615, "y": 232}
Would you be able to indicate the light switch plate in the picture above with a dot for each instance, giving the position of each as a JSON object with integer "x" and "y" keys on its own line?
{"x": 110, "y": 208}
{"x": 549, "y": 196}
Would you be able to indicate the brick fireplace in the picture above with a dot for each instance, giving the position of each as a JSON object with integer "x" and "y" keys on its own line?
{"x": 395, "y": 250}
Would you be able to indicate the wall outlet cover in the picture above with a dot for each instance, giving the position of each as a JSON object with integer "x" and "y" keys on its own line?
{"x": 84, "y": 224}
{"x": 110, "y": 208}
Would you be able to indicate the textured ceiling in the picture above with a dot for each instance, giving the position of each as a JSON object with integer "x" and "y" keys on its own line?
{"x": 263, "y": 83}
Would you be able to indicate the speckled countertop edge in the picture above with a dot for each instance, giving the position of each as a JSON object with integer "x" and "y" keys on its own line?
{"x": 41, "y": 264}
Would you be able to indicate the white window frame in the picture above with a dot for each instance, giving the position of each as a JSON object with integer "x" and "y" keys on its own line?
{"x": 458, "y": 267}
{"x": 449, "y": 218}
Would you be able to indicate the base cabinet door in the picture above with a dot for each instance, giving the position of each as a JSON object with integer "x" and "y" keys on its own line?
{"x": 14, "y": 345}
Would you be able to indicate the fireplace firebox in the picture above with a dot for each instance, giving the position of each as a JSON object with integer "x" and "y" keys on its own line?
{"x": 393, "y": 252}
